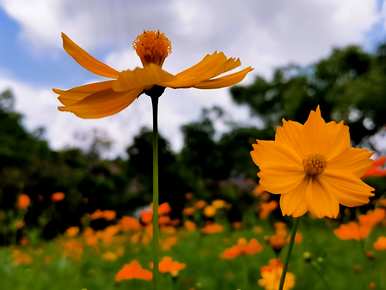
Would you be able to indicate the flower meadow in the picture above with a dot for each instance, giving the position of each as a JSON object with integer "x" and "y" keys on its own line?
{"x": 312, "y": 217}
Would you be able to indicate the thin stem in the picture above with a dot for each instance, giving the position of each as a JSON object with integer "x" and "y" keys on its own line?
{"x": 287, "y": 259}
{"x": 155, "y": 242}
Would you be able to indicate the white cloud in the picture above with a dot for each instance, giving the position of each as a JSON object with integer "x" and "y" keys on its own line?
{"x": 264, "y": 34}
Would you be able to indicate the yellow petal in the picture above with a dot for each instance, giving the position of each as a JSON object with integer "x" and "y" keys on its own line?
{"x": 210, "y": 66}
{"x": 291, "y": 134}
{"x": 102, "y": 104}
{"x": 86, "y": 60}
{"x": 143, "y": 78}
{"x": 279, "y": 181}
{"x": 320, "y": 202}
{"x": 225, "y": 81}
{"x": 76, "y": 94}
{"x": 327, "y": 139}
{"x": 354, "y": 160}
{"x": 294, "y": 203}
{"x": 348, "y": 189}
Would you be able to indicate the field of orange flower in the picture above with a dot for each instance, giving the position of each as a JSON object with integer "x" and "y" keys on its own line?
{"x": 201, "y": 251}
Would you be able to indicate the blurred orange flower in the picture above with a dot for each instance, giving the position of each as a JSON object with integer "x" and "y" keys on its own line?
{"x": 128, "y": 223}
{"x": 242, "y": 247}
{"x": 352, "y": 231}
{"x": 313, "y": 167}
{"x": 266, "y": 208}
{"x": 108, "y": 215}
{"x": 72, "y": 232}
{"x": 21, "y": 258}
{"x": 380, "y": 244}
{"x": 101, "y": 99}
{"x": 190, "y": 226}
{"x": 270, "y": 276}
{"x": 373, "y": 217}
{"x": 210, "y": 211}
{"x": 188, "y": 211}
{"x": 57, "y": 196}
{"x": 167, "y": 243}
{"x": 133, "y": 270}
{"x": 23, "y": 201}
{"x": 168, "y": 265}
{"x": 200, "y": 204}
{"x": 212, "y": 228}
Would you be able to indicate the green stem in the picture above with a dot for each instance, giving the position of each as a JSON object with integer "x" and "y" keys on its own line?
{"x": 155, "y": 242}
{"x": 287, "y": 259}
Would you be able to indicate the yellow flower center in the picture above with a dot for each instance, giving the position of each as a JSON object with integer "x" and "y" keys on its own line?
{"x": 152, "y": 47}
{"x": 314, "y": 164}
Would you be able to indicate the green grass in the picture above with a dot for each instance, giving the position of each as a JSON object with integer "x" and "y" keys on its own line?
{"x": 343, "y": 263}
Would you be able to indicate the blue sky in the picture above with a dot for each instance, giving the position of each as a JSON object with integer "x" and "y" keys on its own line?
{"x": 264, "y": 34}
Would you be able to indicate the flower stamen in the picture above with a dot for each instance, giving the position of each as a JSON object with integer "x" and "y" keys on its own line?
{"x": 314, "y": 164}
{"x": 152, "y": 47}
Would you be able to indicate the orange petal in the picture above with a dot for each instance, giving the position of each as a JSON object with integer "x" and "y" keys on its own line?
{"x": 225, "y": 81}
{"x": 210, "y": 66}
{"x": 353, "y": 160}
{"x": 294, "y": 203}
{"x": 76, "y": 94}
{"x": 144, "y": 78}
{"x": 320, "y": 202}
{"x": 86, "y": 60}
{"x": 102, "y": 104}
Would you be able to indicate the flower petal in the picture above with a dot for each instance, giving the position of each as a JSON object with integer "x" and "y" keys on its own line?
{"x": 291, "y": 134}
{"x": 320, "y": 202}
{"x": 281, "y": 170}
{"x": 76, "y": 94}
{"x": 210, "y": 66}
{"x": 225, "y": 81}
{"x": 144, "y": 78}
{"x": 348, "y": 189}
{"x": 294, "y": 203}
{"x": 86, "y": 60}
{"x": 354, "y": 160}
{"x": 329, "y": 139}
{"x": 102, "y": 104}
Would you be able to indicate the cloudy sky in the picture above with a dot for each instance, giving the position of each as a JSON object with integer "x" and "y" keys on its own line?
{"x": 264, "y": 34}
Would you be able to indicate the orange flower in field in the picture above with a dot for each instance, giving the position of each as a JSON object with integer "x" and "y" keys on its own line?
{"x": 210, "y": 211}
{"x": 188, "y": 211}
{"x": 266, "y": 208}
{"x": 101, "y": 99}
{"x": 23, "y": 201}
{"x": 242, "y": 247}
{"x": 352, "y": 231}
{"x": 212, "y": 228}
{"x": 108, "y": 215}
{"x": 377, "y": 168}
{"x": 72, "y": 232}
{"x": 313, "y": 167}
{"x": 168, "y": 265}
{"x": 168, "y": 243}
{"x": 372, "y": 218}
{"x": 200, "y": 204}
{"x": 164, "y": 208}
{"x": 128, "y": 223}
{"x": 380, "y": 244}
{"x": 270, "y": 276}
{"x": 190, "y": 226}
{"x": 57, "y": 196}
{"x": 21, "y": 258}
{"x": 133, "y": 270}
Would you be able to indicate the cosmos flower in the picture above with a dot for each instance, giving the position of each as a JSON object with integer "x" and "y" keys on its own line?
{"x": 133, "y": 270}
{"x": 23, "y": 201}
{"x": 313, "y": 167}
{"x": 212, "y": 228}
{"x": 377, "y": 168}
{"x": 352, "y": 231}
{"x": 57, "y": 196}
{"x": 242, "y": 247}
{"x": 380, "y": 244}
{"x": 169, "y": 266}
{"x": 101, "y": 99}
{"x": 270, "y": 276}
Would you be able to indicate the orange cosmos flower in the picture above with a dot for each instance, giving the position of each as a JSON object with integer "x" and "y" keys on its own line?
{"x": 373, "y": 217}
{"x": 242, "y": 247}
{"x": 212, "y": 228}
{"x": 313, "y": 167}
{"x": 380, "y": 244}
{"x": 101, "y": 99}
{"x": 190, "y": 226}
{"x": 72, "y": 232}
{"x": 377, "y": 168}
{"x": 352, "y": 231}
{"x": 57, "y": 196}
{"x": 108, "y": 215}
{"x": 23, "y": 201}
{"x": 133, "y": 270}
{"x": 270, "y": 276}
{"x": 168, "y": 265}
{"x": 128, "y": 223}
{"x": 210, "y": 211}
{"x": 266, "y": 208}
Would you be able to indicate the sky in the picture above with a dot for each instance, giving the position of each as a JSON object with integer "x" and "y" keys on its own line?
{"x": 263, "y": 34}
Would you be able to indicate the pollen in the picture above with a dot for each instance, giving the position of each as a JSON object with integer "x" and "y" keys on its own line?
{"x": 314, "y": 165}
{"x": 152, "y": 47}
